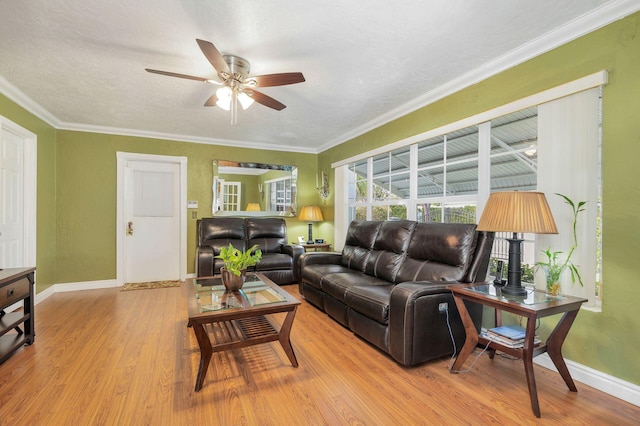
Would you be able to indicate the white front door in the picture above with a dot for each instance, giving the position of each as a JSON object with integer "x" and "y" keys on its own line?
{"x": 152, "y": 221}
{"x": 11, "y": 200}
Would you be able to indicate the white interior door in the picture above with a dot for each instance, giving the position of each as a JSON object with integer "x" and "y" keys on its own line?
{"x": 152, "y": 221}
{"x": 11, "y": 200}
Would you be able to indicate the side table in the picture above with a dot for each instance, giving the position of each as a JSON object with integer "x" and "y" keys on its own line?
{"x": 536, "y": 305}
{"x": 316, "y": 246}
{"x": 16, "y": 284}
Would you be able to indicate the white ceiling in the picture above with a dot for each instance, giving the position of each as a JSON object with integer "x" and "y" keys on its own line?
{"x": 79, "y": 64}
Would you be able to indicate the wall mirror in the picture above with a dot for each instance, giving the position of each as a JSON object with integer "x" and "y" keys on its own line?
{"x": 254, "y": 189}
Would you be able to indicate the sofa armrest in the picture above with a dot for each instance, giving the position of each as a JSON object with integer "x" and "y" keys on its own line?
{"x": 204, "y": 261}
{"x": 417, "y": 330}
{"x": 316, "y": 258}
{"x": 295, "y": 251}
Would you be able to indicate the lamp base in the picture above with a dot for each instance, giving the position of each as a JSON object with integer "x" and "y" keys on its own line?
{"x": 310, "y": 241}
{"x": 513, "y": 290}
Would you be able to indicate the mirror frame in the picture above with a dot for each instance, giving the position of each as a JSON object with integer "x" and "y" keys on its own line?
{"x": 253, "y": 169}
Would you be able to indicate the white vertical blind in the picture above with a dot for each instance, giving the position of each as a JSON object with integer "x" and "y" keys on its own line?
{"x": 568, "y": 146}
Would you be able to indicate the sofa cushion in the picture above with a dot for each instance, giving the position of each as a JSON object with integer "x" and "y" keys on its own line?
{"x": 269, "y": 233}
{"x": 388, "y": 249}
{"x": 337, "y": 284}
{"x": 361, "y": 236}
{"x": 438, "y": 252}
{"x": 221, "y": 232}
{"x": 372, "y": 301}
{"x": 273, "y": 261}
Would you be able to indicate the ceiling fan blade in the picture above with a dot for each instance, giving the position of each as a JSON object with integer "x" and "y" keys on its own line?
{"x": 265, "y": 100}
{"x": 213, "y": 56}
{"x": 280, "y": 79}
{"x": 175, "y": 74}
{"x": 211, "y": 101}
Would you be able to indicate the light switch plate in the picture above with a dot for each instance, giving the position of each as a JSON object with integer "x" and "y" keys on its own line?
{"x": 192, "y": 204}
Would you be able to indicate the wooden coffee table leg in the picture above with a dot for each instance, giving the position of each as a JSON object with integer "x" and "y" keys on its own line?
{"x": 284, "y": 336}
{"x": 472, "y": 335}
{"x": 205, "y": 352}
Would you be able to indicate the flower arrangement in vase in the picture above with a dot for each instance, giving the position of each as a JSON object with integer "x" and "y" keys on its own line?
{"x": 236, "y": 262}
{"x": 554, "y": 266}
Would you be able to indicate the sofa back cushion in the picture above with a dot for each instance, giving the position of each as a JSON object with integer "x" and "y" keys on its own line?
{"x": 269, "y": 233}
{"x": 438, "y": 252}
{"x": 218, "y": 232}
{"x": 389, "y": 248}
{"x": 361, "y": 236}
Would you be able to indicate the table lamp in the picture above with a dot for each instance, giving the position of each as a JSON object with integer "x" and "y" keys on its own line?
{"x": 253, "y": 207}
{"x": 517, "y": 212}
{"x": 310, "y": 214}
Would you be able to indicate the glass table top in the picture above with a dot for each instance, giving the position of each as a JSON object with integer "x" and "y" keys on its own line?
{"x": 533, "y": 296}
{"x": 212, "y": 296}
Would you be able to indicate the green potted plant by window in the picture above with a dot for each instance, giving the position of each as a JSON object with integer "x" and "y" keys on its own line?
{"x": 236, "y": 262}
{"x": 554, "y": 266}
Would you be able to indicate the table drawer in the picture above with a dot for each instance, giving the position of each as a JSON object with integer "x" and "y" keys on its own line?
{"x": 15, "y": 291}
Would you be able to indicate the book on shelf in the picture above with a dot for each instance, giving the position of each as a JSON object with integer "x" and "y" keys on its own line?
{"x": 513, "y": 332}
{"x": 505, "y": 341}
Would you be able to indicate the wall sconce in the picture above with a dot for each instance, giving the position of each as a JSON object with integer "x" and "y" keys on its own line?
{"x": 260, "y": 191}
{"x": 323, "y": 186}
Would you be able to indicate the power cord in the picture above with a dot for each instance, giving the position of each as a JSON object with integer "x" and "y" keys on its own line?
{"x": 455, "y": 349}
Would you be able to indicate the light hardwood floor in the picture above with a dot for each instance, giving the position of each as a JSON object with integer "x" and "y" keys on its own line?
{"x": 108, "y": 357}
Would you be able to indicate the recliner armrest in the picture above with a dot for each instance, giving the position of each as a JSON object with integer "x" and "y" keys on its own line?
{"x": 295, "y": 251}
{"x": 417, "y": 330}
{"x": 316, "y": 258}
{"x": 204, "y": 261}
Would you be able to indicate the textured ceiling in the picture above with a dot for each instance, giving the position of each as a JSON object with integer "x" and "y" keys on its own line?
{"x": 80, "y": 63}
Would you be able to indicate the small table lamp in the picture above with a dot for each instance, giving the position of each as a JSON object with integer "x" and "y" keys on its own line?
{"x": 515, "y": 211}
{"x": 253, "y": 207}
{"x": 310, "y": 214}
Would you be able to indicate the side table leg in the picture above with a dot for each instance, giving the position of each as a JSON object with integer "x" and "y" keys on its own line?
{"x": 284, "y": 336}
{"x": 554, "y": 347}
{"x": 527, "y": 358}
{"x": 471, "y": 339}
{"x": 206, "y": 351}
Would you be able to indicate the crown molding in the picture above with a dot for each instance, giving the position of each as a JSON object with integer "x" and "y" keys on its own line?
{"x": 20, "y": 98}
{"x": 90, "y": 128}
{"x": 598, "y": 18}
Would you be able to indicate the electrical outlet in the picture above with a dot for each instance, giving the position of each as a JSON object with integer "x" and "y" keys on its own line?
{"x": 442, "y": 307}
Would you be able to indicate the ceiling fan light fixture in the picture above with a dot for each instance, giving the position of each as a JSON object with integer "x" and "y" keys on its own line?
{"x": 245, "y": 100}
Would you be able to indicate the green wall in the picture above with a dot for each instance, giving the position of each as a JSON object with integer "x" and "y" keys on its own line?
{"x": 46, "y": 183}
{"x": 86, "y": 182}
{"x": 606, "y": 341}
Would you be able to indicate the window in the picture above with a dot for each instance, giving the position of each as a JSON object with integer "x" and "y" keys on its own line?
{"x": 446, "y": 174}
{"x": 280, "y": 194}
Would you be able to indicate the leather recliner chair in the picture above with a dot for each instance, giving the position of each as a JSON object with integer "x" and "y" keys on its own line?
{"x": 278, "y": 257}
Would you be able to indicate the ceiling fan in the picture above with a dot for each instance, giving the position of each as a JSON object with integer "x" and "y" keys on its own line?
{"x": 237, "y": 85}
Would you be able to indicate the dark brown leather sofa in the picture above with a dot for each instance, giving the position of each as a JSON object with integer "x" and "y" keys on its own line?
{"x": 389, "y": 279}
{"x": 278, "y": 257}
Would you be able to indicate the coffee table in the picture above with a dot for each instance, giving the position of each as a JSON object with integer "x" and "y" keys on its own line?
{"x": 237, "y": 319}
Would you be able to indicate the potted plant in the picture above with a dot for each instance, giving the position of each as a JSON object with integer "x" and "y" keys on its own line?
{"x": 236, "y": 262}
{"x": 554, "y": 266}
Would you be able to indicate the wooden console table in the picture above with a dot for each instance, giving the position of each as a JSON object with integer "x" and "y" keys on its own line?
{"x": 536, "y": 305}
{"x": 316, "y": 246}
{"x": 16, "y": 284}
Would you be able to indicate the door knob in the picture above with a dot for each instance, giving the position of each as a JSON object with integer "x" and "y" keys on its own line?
{"x": 130, "y": 228}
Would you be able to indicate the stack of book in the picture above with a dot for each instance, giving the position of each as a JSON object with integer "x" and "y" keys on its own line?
{"x": 511, "y": 336}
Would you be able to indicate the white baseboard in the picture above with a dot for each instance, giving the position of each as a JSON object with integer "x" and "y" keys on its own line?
{"x": 86, "y": 285}
{"x": 596, "y": 379}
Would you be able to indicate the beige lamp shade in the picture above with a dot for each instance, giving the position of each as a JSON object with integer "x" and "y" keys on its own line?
{"x": 310, "y": 214}
{"x": 517, "y": 211}
{"x": 253, "y": 207}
